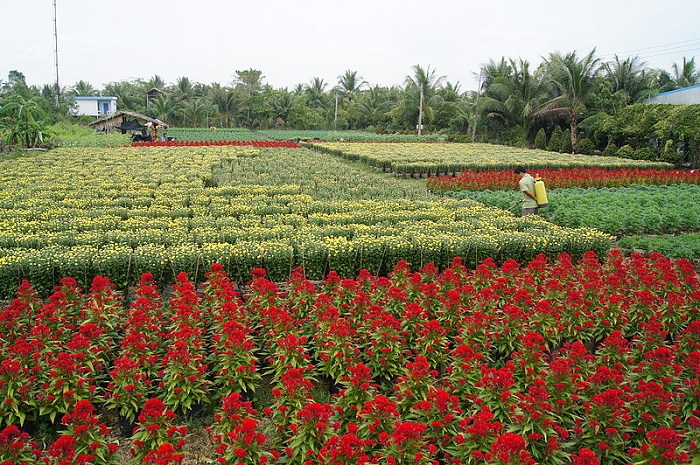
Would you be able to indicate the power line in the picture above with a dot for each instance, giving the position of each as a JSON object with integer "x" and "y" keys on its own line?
{"x": 660, "y": 50}
{"x": 650, "y": 49}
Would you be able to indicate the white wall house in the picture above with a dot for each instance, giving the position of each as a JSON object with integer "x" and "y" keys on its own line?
{"x": 95, "y": 106}
{"x": 685, "y": 96}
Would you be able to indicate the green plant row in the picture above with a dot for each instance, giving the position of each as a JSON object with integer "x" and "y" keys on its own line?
{"x": 682, "y": 246}
{"x": 444, "y": 158}
{"x": 627, "y": 210}
{"x": 209, "y": 134}
{"x": 75, "y": 135}
{"x": 316, "y": 251}
{"x": 349, "y": 136}
{"x": 76, "y": 212}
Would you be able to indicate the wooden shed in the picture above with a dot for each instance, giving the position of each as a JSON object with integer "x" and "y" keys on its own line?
{"x": 125, "y": 121}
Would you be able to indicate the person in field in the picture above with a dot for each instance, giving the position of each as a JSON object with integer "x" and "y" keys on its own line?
{"x": 526, "y": 185}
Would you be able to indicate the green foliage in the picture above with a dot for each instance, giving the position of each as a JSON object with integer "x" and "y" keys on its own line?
{"x": 610, "y": 149}
{"x": 640, "y": 209}
{"x": 637, "y": 124}
{"x": 541, "y": 139}
{"x": 625, "y": 151}
{"x": 565, "y": 146}
{"x": 683, "y": 246}
{"x": 22, "y": 121}
{"x": 77, "y": 135}
{"x": 670, "y": 155}
{"x": 586, "y": 147}
{"x": 556, "y": 139}
{"x": 645, "y": 153}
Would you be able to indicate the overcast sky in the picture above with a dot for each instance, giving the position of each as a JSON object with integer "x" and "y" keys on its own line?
{"x": 294, "y": 41}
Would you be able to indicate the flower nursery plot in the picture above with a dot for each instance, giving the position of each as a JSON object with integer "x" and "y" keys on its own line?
{"x": 636, "y": 209}
{"x": 212, "y": 134}
{"x": 440, "y": 158}
{"x": 347, "y": 136}
{"x": 125, "y": 211}
{"x": 472, "y": 180}
{"x": 554, "y": 361}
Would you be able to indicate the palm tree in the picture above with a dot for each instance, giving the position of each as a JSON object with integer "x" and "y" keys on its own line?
{"x": 192, "y": 113}
{"x": 572, "y": 83}
{"x": 83, "y": 88}
{"x": 228, "y": 102}
{"x": 420, "y": 95}
{"x": 316, "y": 93}
{"x": 349, "y": 83}
{"x": 129, "y": 96}
{"x": 183, "y": 89}
{"x": 374, "y": 105}
{"x": 165, "y": 108}
{"x": 685, "y": 74}
{"x": 629, "y": 78}
{"x": 155, "y": 82}
{"x": 514, "y": 94}
{"x": 282, "y": 104}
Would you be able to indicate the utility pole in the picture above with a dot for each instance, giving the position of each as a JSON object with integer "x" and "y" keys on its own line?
{"x": 420, "y": 112}
{"x": 55, "y": 36}
{"x": 476, "y": 105}
{"x": 335, "y": 119}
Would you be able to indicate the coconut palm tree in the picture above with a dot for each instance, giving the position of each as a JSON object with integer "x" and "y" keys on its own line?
{"x": 129, "y": 95}
{"x": 183, "y": 89}
{"x": 193, "y": 112}
{"x": 316, "y": 93}
{"x": 571, "y": 80}
{"x": 83, "y": 88}
{"x": 375, "y": 104}
{"x": 514, "y": 94}
{"x": 685, "y": 74}
{"x": 419, "y": 97}
{"x": 166, "y": 108}
{"x": 155, "y": 82}
{"x": 228, "y": 103}
{"x": 349, "y": 84}
{"x": 629, "y": 78}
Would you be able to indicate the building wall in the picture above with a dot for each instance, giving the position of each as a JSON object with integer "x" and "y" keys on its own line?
{"x": 685, "y": 96}
{"x": 95, "y": 106}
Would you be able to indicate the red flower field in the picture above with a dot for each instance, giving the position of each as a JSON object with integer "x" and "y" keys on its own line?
{"x": 554, "y": 361}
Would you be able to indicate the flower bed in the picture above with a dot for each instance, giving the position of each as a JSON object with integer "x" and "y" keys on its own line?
{"x": 206, "y": 143}
{"x": 554, "y": 361}
{"x": 624, "y": 210}
{"x": 433, "y": 159}
{"x": 123, "y": 211}
{"x": 564, "y": 178}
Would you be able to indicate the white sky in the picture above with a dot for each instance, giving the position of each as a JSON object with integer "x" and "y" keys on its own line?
{"x": 294, "y": 41}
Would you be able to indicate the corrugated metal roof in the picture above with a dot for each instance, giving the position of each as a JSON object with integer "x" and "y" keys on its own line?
{"x": 683, "y": 89}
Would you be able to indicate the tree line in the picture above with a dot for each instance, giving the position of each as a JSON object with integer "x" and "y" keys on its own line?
{"x": 513, "y": 102}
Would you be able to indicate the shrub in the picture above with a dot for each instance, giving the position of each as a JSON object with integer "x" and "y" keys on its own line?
{"x": 669, "y": 154}
{"x": 625, "y": 151}
{"x": 541, "y": 139}
{"x": 610, "y": 150}
{"x": 565, "y": 146}
{"x": 645, "y": 153}
{"x": 586, "y": 147}
{"x": 555, "y": 139}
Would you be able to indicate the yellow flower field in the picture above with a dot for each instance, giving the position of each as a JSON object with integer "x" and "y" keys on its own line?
{"x": 122, "y": 211}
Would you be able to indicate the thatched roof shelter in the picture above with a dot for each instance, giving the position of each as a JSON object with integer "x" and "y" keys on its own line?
{"x": 125, "y": 121}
